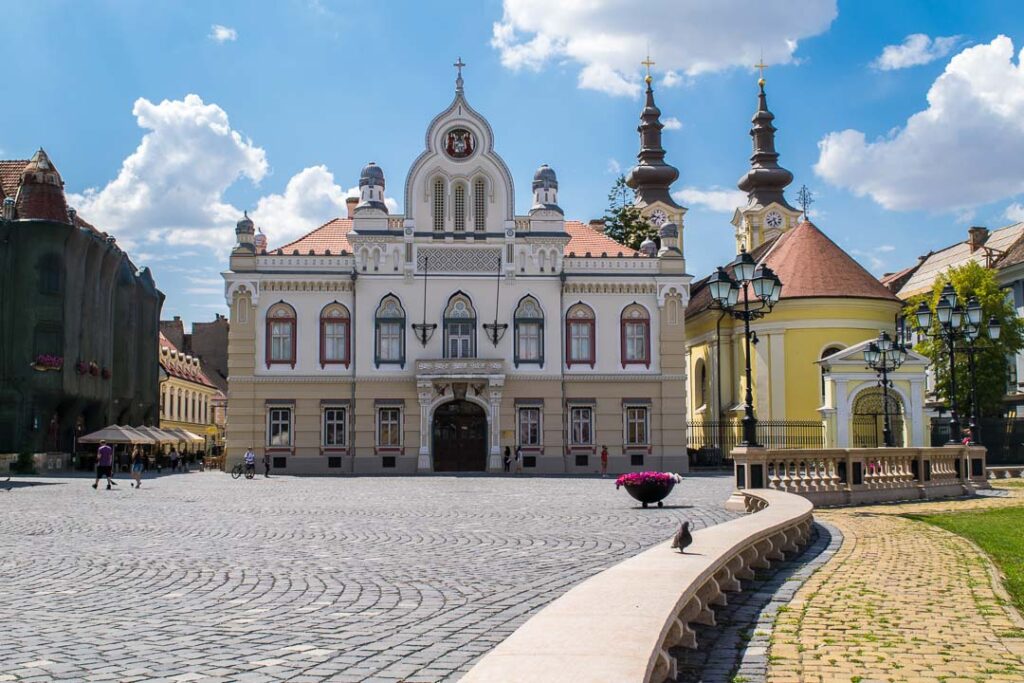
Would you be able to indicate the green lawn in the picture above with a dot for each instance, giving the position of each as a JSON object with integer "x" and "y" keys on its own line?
{"x": 1000, "y": 533}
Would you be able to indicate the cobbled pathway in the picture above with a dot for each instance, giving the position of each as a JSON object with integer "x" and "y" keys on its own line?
{"x": 901, "y": 600}
{"x": 198, "y": 577}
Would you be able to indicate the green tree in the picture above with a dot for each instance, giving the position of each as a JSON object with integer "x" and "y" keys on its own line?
{"x": 992, "y": 357}
{"x": 623, "y": 222}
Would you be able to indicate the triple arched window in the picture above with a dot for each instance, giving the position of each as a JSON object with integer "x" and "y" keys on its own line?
{"x": 459, "y": 327}
{"x": 280, "y": 347}
{"x": 389, "y": 333}
{"x": 335, "y": 342}
{"x": 529, "y": 332}
{"x": 579, "y": 336}
{"x": 635, "y": 330}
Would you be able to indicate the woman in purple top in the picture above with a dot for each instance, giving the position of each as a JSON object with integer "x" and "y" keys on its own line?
{"x": 104, "y": 464}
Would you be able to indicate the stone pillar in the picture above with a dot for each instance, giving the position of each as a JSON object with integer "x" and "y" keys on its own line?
{"x": 842, "y": 414}
{"x": 494, "y": 405}
{"x": 915, "y": 414}
{"x": 425, "y": 394}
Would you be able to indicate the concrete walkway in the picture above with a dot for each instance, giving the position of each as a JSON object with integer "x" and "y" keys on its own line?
{"x": 901, "y": 601}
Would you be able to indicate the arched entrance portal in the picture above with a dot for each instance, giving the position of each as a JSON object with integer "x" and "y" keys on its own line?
{"x": 869, "y": 419}
{"x": 460, "y": 437}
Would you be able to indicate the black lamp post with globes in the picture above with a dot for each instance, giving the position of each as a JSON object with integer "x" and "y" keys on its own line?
{"x": 883, "y": 355}
{"x": 748, "y": 294}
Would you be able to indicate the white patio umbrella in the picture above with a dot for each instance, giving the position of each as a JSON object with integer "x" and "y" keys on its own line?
{"x": 116, "y": 434}
{"x": 160, "y": 436}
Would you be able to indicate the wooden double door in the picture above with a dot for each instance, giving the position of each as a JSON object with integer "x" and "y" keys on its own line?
{"x": 460, "y": 437}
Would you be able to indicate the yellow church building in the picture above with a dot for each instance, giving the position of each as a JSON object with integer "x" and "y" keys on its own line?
{"x": 829, "y": 304}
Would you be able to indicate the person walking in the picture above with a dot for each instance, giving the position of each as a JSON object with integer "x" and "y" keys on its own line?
{"x": 174, "y": 459}
{"x": 519, "y": 459}
{"x": 507, "y": 460}
{"x": 104, "y": 464}
{"x": 266, "y": 464}
{"x": 604, "y": 460}
{"x": 138, "y": 464}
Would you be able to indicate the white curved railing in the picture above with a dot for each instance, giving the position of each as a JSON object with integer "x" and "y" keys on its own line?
{"x": 617, "y": 626}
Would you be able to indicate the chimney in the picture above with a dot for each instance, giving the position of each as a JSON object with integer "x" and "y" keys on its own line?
{"x": 976, "y": 237}
{"x": 596, "y": 224}
{"x": 350, "y": 204}
{"x": 177, "y": 317}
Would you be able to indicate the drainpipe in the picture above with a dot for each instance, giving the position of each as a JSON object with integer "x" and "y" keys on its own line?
{"x": 561, "y": 368}
{"x": 351, "y": 426}
{"x": 718, "y": 379}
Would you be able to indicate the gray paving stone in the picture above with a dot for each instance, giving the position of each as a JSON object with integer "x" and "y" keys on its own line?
{"x": 388, "y": 578}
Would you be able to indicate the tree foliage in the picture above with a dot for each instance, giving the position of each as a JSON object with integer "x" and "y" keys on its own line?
{"x": 623, "y": 222}
{"x": 992, "y": 357}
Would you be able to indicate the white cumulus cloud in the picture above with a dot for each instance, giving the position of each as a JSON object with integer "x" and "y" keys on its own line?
{"x": 222, "y": 34}
{"x": 608, "y": 38}
{"x": 310, "y": 199}
{"x": 713, "y": 199}
{"x": 915, "y": 50}
{"x": 1014, "y": 212}
{"x": 966, "y": 149}
{"x": 170, "y": 190}
{"x": 672, "y": 123}
{"x": 171, "y": 187}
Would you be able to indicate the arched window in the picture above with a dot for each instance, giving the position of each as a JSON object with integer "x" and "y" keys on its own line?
{"x": 636, "y": 336}
{"x": 334, "y": 335}
{"x": 579, "y": 336}
{"x": 529, "y": 332}
{"x": 824, "y": 371}
{"x": 280, "y": 335}
{"x": 459, "y": 209}
{"x": 459, "y": 327}
{"x": 700, "y": 374}
{"x": 439, "y": 205}
{"x": 389, "y": 338}
{"x": 479, "y": 204}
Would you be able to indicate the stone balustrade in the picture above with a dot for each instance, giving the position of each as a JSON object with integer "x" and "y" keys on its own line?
{"x": 1005, "y": 471}
{"x": 619, "y": 625}
{"x": 845, "y": 476}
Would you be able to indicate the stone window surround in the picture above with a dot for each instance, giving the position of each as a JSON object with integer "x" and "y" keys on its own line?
{"x": 271, "y": 318}
{"x": 636, "y": 403}
{"x": 344, "y": 319}
{"x": 537, "y": 405}
{"x": 326, "y": 405}
{"x": 379, "y": 406}
{"x": 288, "y": 405}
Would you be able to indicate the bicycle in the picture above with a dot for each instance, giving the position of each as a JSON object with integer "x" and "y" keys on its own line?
{"x": 240, "y": 469}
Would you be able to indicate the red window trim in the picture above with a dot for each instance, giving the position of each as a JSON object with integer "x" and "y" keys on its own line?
{"x": 569, "y": 360}
{"x": 646, "y": 361}
{"x": 323, "y": 342}
{"x": 295, "y": 342}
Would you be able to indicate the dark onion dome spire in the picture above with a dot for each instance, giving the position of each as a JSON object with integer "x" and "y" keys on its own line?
{"x": 371, "y": 188}
{"x": 245, "y": 225}
{"x": 651, "y": 177}
{"x": 40, "y": 193}
{"x": 766, "y": 181}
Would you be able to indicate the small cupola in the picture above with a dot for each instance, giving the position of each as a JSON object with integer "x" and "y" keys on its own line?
{"x": 371, "y": 189}
{"x": 545, "y": 190}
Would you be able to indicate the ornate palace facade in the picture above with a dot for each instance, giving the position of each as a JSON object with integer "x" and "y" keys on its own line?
{"x": 433, "y": 340}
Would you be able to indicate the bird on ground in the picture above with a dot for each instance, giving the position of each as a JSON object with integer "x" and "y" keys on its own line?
{"x": 6, "y": 481}
{"x": 682, "y": 538}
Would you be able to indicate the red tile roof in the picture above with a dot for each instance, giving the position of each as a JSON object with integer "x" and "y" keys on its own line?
{"x": 583, "y": 239}
{"x": 10, "y": 176}
{"x": 810, "y": 265}
{"x": 333, "y": 236}
{"x": 178, "y": 370}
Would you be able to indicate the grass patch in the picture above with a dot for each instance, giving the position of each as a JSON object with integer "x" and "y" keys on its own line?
{"x": 998, "y": 533}
{"x": 1007, "y": 483}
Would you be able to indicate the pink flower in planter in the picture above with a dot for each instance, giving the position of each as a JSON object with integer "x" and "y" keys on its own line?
{"x": 655, "y": 478}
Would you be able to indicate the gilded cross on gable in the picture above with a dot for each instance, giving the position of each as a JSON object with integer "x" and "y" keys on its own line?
{"x": 648, "y": 63}
{"x": 459, "y": 64}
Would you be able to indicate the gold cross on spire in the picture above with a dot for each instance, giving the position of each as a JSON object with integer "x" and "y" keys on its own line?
{"x": 648, "y": 63}
{"x": 761, "y": 66}
{"x": 459, "y": 64}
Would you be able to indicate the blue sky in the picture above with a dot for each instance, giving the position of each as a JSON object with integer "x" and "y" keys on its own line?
{"x": 290, "y": 99}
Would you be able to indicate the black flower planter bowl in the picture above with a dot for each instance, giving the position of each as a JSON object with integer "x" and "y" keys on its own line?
{"x": 650, "y": 492}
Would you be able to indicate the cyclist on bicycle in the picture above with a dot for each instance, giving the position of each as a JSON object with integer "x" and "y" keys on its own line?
{"x": 250, "y": 461}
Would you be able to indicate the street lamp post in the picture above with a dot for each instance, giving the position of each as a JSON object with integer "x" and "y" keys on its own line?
{"x": 883, "y": 355}
{"x": 760, "y": 289}
{"x": 957, "y": 323}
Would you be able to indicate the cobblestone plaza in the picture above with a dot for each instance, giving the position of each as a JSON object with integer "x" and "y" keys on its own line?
{"x": 199, "y": 577}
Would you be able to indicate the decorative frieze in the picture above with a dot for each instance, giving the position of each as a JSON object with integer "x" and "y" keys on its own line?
{"x": 458, "y": 259}
{"x": 610, "y": 288}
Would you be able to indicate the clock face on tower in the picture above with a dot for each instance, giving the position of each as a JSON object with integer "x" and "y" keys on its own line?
{"x": 658, "y": 217}
{"x": 773, "y": 219}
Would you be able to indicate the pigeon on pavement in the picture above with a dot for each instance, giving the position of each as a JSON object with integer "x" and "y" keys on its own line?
{"x": 682, "y": 538}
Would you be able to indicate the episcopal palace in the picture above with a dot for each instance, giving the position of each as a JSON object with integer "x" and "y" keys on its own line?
{"x": 436, "y": 339}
